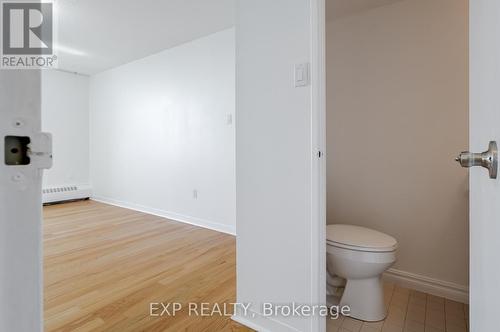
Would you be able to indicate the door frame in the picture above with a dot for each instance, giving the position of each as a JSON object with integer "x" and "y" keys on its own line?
{"x": 21, "y": 259}
{"x": 318, "y": 174}
{"x": 318, "y": 167}
{"x": 318, "y": 74}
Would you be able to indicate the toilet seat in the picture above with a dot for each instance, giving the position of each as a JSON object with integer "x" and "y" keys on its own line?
{"x": 359, "y": 238}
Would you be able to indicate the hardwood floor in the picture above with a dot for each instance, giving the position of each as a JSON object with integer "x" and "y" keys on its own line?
{"x": 104, "y": 266}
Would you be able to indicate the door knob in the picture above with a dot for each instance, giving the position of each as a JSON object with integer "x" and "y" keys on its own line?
{"x": 487, "y": 159}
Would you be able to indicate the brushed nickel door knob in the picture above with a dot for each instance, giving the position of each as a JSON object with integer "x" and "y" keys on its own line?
{"x": 487, "y": 159}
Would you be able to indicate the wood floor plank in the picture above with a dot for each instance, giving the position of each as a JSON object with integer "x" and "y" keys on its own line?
{"x": 104, "y": 265}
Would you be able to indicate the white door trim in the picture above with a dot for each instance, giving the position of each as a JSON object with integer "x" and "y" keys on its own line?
{"x": 318, "y": 181}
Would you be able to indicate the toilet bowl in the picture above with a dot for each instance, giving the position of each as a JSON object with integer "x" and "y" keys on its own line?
{"x": 360, "y": 255}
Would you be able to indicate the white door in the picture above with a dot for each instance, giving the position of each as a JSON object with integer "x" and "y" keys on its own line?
{"x": 21, "y": 201}
{"x": 484, "y": 192}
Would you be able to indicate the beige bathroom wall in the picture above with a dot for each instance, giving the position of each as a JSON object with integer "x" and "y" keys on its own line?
{"x": 397, "y": 115}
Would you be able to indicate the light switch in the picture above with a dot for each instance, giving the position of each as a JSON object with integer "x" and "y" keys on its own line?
{"x": 301, "y": 74}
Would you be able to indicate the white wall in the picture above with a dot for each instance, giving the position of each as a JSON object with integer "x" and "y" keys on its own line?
{"x": 65, "y": 114}
{"x": 397, "y": 116}
{"x": 274, "y": 156}
{"x": 159, "y": 130}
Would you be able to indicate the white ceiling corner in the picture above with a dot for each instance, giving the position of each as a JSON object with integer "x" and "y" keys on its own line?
{"x": 95, "y": 35}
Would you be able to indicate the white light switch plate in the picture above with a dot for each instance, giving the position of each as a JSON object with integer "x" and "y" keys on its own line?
{"x": 302, "y": 74}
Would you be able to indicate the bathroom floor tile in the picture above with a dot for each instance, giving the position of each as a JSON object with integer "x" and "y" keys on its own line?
{"x": 432, "y": 329}
{"x": 366, "y": 328}
{"x": 374, "y": 325}
{"x": 412, "y": 326}
{"x": 331, "y": 328}
{"x": 417, "y": 302}
{"x": 410, "y": 311}
{"x": 392, "y": 328}
{"x": 333, "y": 325}
{"x": 416, "y": 315}
{"x": 352, "y": 324}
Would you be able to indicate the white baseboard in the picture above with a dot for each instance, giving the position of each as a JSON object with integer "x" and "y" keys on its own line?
{"x": 169, "y": 215}
{"x": 52, "y": 194}
{"x": 261, "y": 323}
{"x": 449, "y": 290}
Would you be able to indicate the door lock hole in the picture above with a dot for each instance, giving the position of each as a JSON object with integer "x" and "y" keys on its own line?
{"x": 16, "y": 150}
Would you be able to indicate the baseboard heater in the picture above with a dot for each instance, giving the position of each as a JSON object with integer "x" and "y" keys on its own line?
{"x": 52, "y": 195}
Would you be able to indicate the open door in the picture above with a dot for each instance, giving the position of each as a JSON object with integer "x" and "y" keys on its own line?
{"x": 484, "y": 191}
{"x": 24, "y": 153}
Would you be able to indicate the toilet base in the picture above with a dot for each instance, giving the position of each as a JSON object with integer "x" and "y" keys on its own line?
{"x": 332, "y": 301}
{"x": 333, "y": 295}
{"x": 365, "y": 298}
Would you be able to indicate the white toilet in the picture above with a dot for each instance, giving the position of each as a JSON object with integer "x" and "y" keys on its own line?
{"x": 357, "y": 257}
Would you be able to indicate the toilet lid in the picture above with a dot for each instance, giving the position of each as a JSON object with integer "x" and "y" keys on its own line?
{"x": 360, "y": 238}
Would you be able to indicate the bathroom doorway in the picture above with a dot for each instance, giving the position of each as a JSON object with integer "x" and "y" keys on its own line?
{"x": 397, "y": 114}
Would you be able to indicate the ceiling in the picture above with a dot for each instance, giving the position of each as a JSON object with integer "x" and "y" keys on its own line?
{"x": 341, "y": 8}
{"x": 95, "y": 35}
